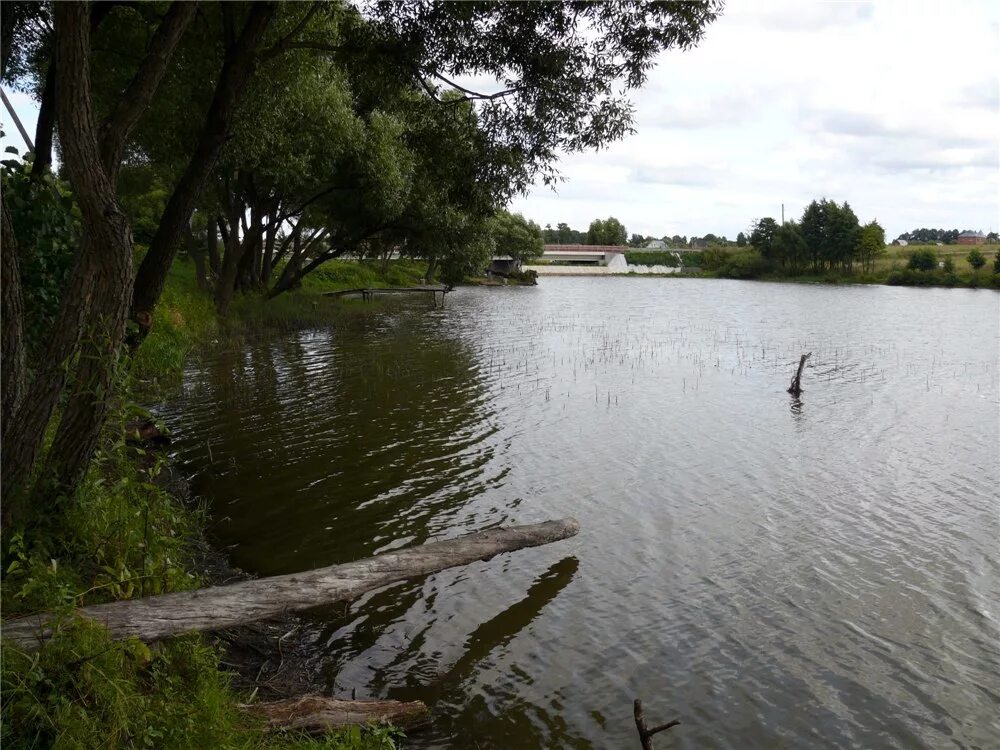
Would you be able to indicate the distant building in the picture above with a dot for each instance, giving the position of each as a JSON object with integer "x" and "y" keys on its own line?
{"x": 656, "y": 245}
{"x": 900, "y": 243}
{"x": 971, "y": 238}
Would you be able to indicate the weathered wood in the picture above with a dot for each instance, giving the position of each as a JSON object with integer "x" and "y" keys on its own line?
{"x": 796, "y": 386}
{"x": 218, "y": 607}
{"x": 315, "y": 713}
{"x": 368, "y": 293}
{"x": 646, "y": 735}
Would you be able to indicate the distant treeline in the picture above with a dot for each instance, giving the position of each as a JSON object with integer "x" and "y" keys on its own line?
{"x": 945, "y": 236}
{"x": 611, "y": 231}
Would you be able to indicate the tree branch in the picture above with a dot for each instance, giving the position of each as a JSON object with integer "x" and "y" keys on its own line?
{"x": 282, "y": 44}
{"x": 138, "y": 94}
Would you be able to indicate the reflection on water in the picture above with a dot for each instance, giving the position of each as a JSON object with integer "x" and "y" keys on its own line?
{"x": 819, "y": 571}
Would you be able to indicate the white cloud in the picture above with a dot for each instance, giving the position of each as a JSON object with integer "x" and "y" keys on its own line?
{"x": 891, "y": 106}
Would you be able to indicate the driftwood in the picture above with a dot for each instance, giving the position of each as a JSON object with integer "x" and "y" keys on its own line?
{"x": 796, "y": 386}
{"x": 315, "y": 713}
{"x": 157, "y": 617}
{"x": 646, "y": 735}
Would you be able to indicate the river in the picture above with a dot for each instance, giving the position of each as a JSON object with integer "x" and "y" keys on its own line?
{"x": 774, "y": 572}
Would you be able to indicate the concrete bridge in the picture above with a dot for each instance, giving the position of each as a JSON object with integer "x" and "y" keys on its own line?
{"x": 585, "y": 255}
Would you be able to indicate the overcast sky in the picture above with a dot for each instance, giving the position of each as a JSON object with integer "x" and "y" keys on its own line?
{"x": 892, "y": 106}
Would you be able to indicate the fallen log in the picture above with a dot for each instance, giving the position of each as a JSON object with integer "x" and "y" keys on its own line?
{"x": 218, "y": 607}
{"x": 315, "y": 713}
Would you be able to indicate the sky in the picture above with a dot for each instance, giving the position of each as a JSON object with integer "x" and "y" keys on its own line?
{"x": 891, "y": 106}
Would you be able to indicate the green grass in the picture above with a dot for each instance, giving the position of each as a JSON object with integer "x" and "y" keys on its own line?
{"x": 122, "y": 536}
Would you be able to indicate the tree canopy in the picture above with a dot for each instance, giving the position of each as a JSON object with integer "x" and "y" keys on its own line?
{"x": 265, "y": 138}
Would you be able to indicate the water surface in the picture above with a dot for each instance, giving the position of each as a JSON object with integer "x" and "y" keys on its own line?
{"x": 775, "y": 572}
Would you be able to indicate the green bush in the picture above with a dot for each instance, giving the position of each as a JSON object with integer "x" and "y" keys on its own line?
{"x": 714, "y": 258}
{"x": 948, "y": 266}
{"x": 745, "y": 264}
{"x": 652, "y": 259}
{"x": 976, "y": 259}
{"x": 47, "y": 227}
{"x": 911, "y": 277}
{"x": 922, "y": 260}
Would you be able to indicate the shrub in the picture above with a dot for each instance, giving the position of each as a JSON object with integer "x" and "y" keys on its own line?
{"x": 47, "y": 229}
{"x": 714, "y": 258}
{"x": 745, "y": 264}
{"x": 996, "y": 263}
{"x": 653, "y": 259}
{"x": 976, "y": 259}
{"x": 949, "y": 265}
{"x": 922, "y": 260}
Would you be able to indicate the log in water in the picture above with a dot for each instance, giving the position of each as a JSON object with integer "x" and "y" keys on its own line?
{"x": 219, "y": 607}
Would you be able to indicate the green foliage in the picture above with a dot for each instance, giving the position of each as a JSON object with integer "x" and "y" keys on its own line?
{"x": 921, "y": 277}
{"x": 948, "y": 266}
{"x": 608, "y": 231}
{"x": 516, "y": 236}
{"x": 83, "y": 690}
{"x": 831, "y": 233}
{"x": 184, "y": 318}
{"x": 976, "y": 259}
{"x": 789, "y": 246}
{"x": 659, "y": 258}
{"x": 996, "y": 263}
{"x": 713, "y": 258}
{"x": 922, "y": 260}
{"x": 47, "y": 228}
{"x": 120, "y": 537}
{"x": 870, "y": 244}
{"x": 744, "y": 264}
{"x": 762, "y": 236}
{"x": 741, "y": 240}
{"x": 144, "y": 196}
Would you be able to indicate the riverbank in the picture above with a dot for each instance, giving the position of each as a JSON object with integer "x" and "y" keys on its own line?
{"x": 131, "y": 531}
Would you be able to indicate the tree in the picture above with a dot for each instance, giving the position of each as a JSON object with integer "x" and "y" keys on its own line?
{"x": 636, "y": 240}
{"x": 609, "y": 231}
{"x": 516, "y": 236}
{"x": 831, "y": 233}
{"x": 762, "y": 238}
{"x": 871, "y": 244}
{"x": 741, "y": 240}
{"x": 922, "y": 260}
{"x": 976, "y": 259}
{"x": 789, "y": 246}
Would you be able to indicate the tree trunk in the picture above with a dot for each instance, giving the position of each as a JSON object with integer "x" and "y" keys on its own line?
{"x": 12, "y": 363}
{"x": 236, "y": 71}
{"x": 45, "y": 125}
{"x": 225, "y": 284}
{"x": 157, "y": 617}
{"x": 317, "y": 713}
{"x": 105, "y": 258}
{"x": 215, "y": 230}
{"x": 198, "y": 255}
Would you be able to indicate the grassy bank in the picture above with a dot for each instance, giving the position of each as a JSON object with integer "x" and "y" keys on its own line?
{"x": 891, "y": 268}
{"x": 124, "y": 536}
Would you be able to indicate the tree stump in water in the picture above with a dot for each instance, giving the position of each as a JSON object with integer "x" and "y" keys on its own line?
{"x": 796, "y": 386}
{"x": 646, "y": 735}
